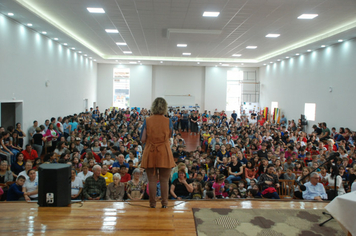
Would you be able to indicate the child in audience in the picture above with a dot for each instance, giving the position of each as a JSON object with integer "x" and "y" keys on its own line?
{"x": 242, "y": 189}
{"x": 289, "y": 175}
{"x": 131, "y": 167}
{"x": 257, "y": 193}
{"x": 250, "y": 194}
{"x": 252, "y": 183}
{"x": 219, "y": 186}
{"x": 308, "y": 158}
{"x": 76, "y": 164}
{"x": 235, "y": 193}
{"x": 197, "y": 191}
{"x": 125, "y": 177}
{"x": 208, "y": 191}
{"x": 107, "y": 161}
{"x": 15, "y": 191}
{"x": 250, "y": 172}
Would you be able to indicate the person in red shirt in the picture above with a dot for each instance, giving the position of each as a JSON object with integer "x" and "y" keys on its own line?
{"x": 29, "y": 153}
{"x": 125, "y": 177}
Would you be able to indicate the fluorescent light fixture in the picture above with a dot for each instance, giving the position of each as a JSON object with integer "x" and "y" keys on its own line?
{"x": 44, "y": 32}
{"x": 251, "y": 47}
{"x": 10, "y": 14}
{"x": 133, "y": 62}
{"x": 181, "y": 45}
{"x": 56, "y": 39}
{"x": 121, "y": 44}
{"x": 65, "y": 44}
{"x": 323, "y": 46}
{"x": 340, "y": 40}
{"x": 297, "y": 54}
{"x": 272, "y": 35}
{"x": 95, "y": 10}
{"x": 186, "y": 54}
{"x": 211, "y": 13}
{"x": 224, "y": 64}
{"x": 236, "y": 55}
{"x": 308, "y": 50}
{"x": 112, "y": 31}
{"x": 127, "y": 52}
{"x": 307, "y": 16}
{"x": 279, "y": 60}
{"x": 73, "y": 48}
{"x": 79, "y": 51}
{"x": 29, "y": 24}
{"x": 287, "y": 57}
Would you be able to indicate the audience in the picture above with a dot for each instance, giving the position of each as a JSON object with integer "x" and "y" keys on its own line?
{"x": 237, "y": 158}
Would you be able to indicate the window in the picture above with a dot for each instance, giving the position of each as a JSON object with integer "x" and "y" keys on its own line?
{"x": 121, "y": 91}
{"x": 234, "y": 88}
{"x": 309, "y": 111}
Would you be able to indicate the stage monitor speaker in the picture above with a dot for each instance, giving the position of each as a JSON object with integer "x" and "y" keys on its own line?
{"x": 54, "y": 185}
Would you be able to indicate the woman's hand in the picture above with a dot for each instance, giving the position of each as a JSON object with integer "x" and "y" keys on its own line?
{"x": 268, "y": 182}
{"x": 179, "y": 198}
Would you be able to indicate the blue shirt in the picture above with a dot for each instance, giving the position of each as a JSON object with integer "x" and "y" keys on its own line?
{"x": 65, "y": 128}
{"x": 74, "y": 126}
{"x": 117, "y": 164}
{"x": 314, "y": 191}
{"x": 14, "y": 193}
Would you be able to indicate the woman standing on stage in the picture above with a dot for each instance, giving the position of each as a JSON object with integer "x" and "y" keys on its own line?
{"x": 157, "y": 157}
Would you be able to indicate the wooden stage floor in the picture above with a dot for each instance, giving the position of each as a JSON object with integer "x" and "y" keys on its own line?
{"x": 122, "y": 218}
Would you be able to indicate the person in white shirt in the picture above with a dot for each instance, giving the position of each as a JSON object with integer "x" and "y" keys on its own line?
{"x": 131, "y": 156}
{"x": 76, "y": 186}
{"x": 314, "y": 189}
{"x": 107, "y": 161}
{"x": 30, "y": 188}
{"x": 28, "y": 166}
{"x": 331, "y": 180}
{"x": 353, "y": 186}
{"x": 85, "y": 173}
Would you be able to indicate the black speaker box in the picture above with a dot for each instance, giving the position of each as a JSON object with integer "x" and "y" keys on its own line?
{"x": 54, "y": 185}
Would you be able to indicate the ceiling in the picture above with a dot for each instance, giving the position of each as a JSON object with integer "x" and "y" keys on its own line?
{"x": 153, "y": 28}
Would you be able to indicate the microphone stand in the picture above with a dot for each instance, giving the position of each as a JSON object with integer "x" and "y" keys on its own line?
{"x": 303, "y": 188}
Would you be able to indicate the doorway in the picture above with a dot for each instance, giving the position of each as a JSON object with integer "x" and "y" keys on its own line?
{"x": 10, "y": 113}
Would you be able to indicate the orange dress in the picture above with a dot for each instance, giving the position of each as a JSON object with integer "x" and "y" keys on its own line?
{"x": 157, "y": 153}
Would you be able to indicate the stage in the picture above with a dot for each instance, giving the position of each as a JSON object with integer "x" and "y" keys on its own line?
{"x": 130, "y": 218}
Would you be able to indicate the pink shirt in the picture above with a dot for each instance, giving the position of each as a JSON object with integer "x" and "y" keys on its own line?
{"x": 217, "y": 188}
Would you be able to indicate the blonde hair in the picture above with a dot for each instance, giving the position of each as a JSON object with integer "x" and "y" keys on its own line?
{"x": 159, "y": 106}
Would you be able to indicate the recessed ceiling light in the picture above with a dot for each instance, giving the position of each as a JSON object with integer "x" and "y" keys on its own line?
{"x": 297, "y": 54}
{"x": 220, "y": 63}
{"x": 90, "y": 57}
{"x": 307, "y": 16}
{"x": 251, "y": 47}
{"x": 95, "y": 10}
{"x": 224, "y": 64}
{"x": 112, "y": 31}
{"x": 211, "y": 14}
{"x": 127, "y": 52}
{"x": 133, "y": 62}
{"x": 340, "y": 40}
{"x": 10, "y": 14}
{"x": 287, "y": 57}
{"x": 117, "y": 60}
{"x": 323, "y": 46}
{"x": 121, "y": 44}
{"x": 264, "y": 64}
{"x": 308, "y": 50}
{"x": 186, "y": 53}
{"x": 44, "y": 32}
{"x": 55, "y": 39}
{"x": 65, "y": 44}
{"x": 73, "y": 48}
{"x": 181, "y": 45}
{"x": 161, "y": 62}
{"x": 236, "y": 55}
{"x": 271, "y": 62}
{"x": 79, "y": 51}
{"x": 272, "y": 35}
{"x": 85, "y": 55}
{"x": 198, "y": 62}
{"x": 29, "y": 24}
{"x": 279, "y": 60}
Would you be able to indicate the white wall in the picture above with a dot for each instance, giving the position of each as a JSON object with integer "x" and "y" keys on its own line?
{"x": 179, "y": 80}
{"x": 307, "y": 78}
{"x": 215, "y": 88}
{"x": 140, "y": 85}
{"x": 28, "y": 59}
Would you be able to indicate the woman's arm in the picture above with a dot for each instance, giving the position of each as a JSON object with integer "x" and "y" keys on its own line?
{"x": 188, "y": 186}
{"x": 173, "y": 187}
{"x": 25, "y": 194}
{"x": 241, "y": 171}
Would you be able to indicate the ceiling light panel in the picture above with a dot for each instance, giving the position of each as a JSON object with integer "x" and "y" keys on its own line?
{"x": 211, "y": 14}
{"x": 95, "y": 10}
{"x": 307, "y": 16}
{"x": 186, "y": 54}
{"x": 251, "y": 47}
{"x": 181, "y": 45}
{"x": 272, "y": 35}
{"x": 121, "y": 44}
{"x": 112, "y": 31}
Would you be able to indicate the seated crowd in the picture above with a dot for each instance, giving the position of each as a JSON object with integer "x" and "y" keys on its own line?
{"x": 244, "y": 157}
